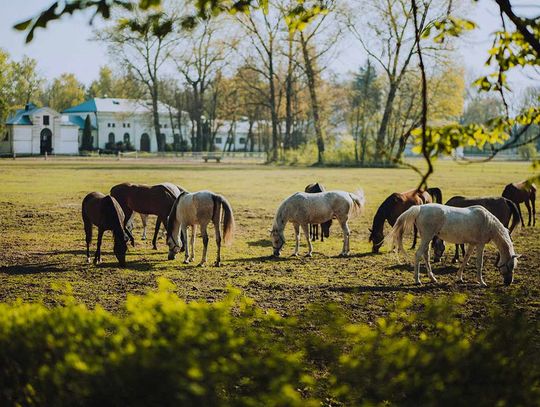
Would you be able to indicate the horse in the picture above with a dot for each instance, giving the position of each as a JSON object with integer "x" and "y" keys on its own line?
{"x": 502, "y": 208}
{"x": 304, "y": 208}
{"x": 395, "y": 205}
{"x": 519, "y": 192}
{"x": 473, "y": 225}
{"x": 198, "y": 208}
{"x": 104, "y": 212}
{"x": 144, "y": 220}
{"x": 325, "y": 226}
{"x": 147, "y": 200}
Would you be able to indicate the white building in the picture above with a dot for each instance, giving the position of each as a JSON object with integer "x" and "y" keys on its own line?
{"x": 240, "y": 135}
{"x": 34, "y": 130}
{"x": 125, "y": 120}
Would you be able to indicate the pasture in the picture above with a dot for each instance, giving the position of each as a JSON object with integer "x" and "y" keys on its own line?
{"x": 42, "y": 239}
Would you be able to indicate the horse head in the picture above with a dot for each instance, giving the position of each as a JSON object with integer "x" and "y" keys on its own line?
{"x": 507, "y": 269}
{"x": 120, "y": 249}
{"x": 377, "y": 238}
{"x": 278, "y": 240}
{"x": 174, "y": 245}
{"x": 438, "y": 249}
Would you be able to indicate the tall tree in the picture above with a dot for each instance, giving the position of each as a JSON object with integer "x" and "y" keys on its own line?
{"x": 64, "y": 91}
{"x": 144, "y": 42}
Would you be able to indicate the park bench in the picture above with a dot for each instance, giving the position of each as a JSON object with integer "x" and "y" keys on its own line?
{"x": 211, "y": 157}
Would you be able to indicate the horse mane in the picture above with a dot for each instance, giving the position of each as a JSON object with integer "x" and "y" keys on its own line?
{"x": 113, "y": 215}
{"x": 500, "y": 232}
{"x": 172, "y": 214}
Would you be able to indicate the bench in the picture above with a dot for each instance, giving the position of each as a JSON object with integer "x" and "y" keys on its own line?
{"x": 211, "y": 157}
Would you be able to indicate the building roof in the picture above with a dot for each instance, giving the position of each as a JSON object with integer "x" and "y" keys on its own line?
{"x": 22, "y": 116}
{"x": 77, "y": 120}
{"x": 117, "y": 105}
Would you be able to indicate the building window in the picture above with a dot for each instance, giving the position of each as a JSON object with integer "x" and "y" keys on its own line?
{"x": 111, "y": 137}
{"x": 129, "y": 125}
{"x": 218, "y": 140}
{"x": 45, "y": 120}
{"x": 242, "y": 140}
{"x": 124, "y": 125}
{"x": 113, "y": 124}
{"x": 126, "y": 138}
{"x": 164, "y": 126}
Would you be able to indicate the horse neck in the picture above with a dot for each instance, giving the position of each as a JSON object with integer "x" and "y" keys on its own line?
{"x": 501, "y": 239}
{"x": 380, "y": 217}
{"x": 279, "y": 220}
{"x": 116, "y": 224}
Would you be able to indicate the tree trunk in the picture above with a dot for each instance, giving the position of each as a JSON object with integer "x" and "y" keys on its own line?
{"x": 388, "y": 110}
{"x": 155, "y": 114}
{"x": 314, "y": 102}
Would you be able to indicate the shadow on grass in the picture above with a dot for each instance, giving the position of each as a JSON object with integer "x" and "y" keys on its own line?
{"x": 269, "y": 258}
{"x": 427, "y": 287}
{"x": 34, "y": 268}
{"x": 260, "y": 243}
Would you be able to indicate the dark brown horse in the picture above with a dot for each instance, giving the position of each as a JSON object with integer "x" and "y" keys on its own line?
{"x": 395, "y": 205}
{"x": 104, "y": 212}
{"x": 325, "y": 227}
{"x": 503, "y": 209}
{"x": 149, "y": 200}
{"x": 525, "y": 192}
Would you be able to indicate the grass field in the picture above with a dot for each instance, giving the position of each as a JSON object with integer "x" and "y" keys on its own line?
{"x": 42, "y": 238}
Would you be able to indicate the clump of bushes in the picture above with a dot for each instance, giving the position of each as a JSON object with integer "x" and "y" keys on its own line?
{"x": 163, "y": 351}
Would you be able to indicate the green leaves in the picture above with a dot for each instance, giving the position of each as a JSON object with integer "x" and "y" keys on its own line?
{"x": 448, "y": 27}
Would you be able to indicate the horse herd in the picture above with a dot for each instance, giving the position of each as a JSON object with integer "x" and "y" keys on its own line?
{"x": 471, "y": 221}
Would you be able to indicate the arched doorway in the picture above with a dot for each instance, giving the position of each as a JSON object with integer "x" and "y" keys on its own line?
{"x": 111, "y": 138}
{"x": 45, "y": 144}
{"x": 145, "y": 142}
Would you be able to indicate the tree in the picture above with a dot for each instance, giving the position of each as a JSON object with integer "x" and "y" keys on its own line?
{"x": 64, "y": 92}
{"x": 87, "y": 139}
{"x": 27, "y": 83}
{"x": 143, "y": 42}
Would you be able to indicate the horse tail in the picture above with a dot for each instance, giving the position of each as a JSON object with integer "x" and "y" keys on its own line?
{"x": 516, "y": 219}
{"x": 359, "y": 201}
{"x": 436, "y": 194}
{"x": 228, "y": 220}
{"x": 403, "y": 224}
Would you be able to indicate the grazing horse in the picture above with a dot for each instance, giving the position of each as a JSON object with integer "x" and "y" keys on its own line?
{"x": 147, "y": 200}
{"x": 325, "y": 226}
{"x": 502, "y": 208}
{"x": 104, "y": 212}
{"x": 395, "y": 205}
{"x": 473, "y": 225}
{"x": 304, "y": 208}
{"x": 519, "y": 192}
{"x": 198, "y": 208}
{"x": 144, "y": 220}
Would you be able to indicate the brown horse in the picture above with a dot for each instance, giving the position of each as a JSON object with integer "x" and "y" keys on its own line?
{"x": 104, "y": 212}
{"x": 149, "y": 200}
{"x": 519, "y": 192}
{"x": 325, "y": 227}
{"x": 503, "y": 209}
{"x": 395, "y": 205}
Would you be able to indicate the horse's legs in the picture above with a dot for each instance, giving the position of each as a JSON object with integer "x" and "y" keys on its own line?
{"x": 520, "y": 215}
{"x": 428, "y": 266}
{"x": 346, "y": 235}
{"x": 421, "y": 252}
{"x": 456, "y": 255}
{"x": 414, "y": 237}
{"x": 193, "y": 234}
{"x": 184, "y": 232}
{"x": 528, "y": 206}
{"x": 470, "y": 250}
{"x": 315, "y": 232}
{"x": 322, "y": 232}
{"x": 88, "y": 233}
{"x": 533, "y": 204}
{"x": 154, "y": 239}
{"x": 204, "y": 234}
{"x": 128, "y": 223}
{"x": 218, "y": 242}
{"x": 479, "y": 264}
{"x": 97, "y": 256}
{"x": 144, "y": 220}
{"x": 306, "y": 233}
{"x": 297, "y": 237}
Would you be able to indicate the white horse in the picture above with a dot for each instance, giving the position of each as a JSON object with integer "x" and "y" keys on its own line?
{"x": 304, "y": 208}
{"x": 198, "y": 208}
{"x": 474, "y": 226}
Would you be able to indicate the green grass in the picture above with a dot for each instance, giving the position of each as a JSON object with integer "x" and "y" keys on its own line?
{"x": 42, "y": 238}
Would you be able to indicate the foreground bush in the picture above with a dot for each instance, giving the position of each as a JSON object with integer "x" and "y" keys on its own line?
{"x": 162, "y": 351}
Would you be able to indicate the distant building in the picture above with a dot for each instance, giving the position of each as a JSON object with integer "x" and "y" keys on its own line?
{"x": 34, "y": 130}
{"x": 126, "y": 120}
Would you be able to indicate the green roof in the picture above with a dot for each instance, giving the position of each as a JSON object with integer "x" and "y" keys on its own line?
{"x": 88, "y": 106}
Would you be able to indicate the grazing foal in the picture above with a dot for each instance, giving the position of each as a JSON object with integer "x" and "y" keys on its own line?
{"x": 325, "y": 226}
{"x": 104, "y": 212}
{"x": 519, "y": 192}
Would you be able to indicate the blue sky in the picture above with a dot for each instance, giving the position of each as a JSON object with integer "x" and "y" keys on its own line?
{"x": 65, "y": 46}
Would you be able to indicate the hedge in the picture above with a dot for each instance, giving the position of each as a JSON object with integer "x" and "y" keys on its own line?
{"x": 163, "y": 351}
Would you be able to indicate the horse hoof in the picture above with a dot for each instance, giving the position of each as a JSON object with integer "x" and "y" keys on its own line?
{"x": 309, "y": 255}
{"x": 186, "y": 261}
{"x": 433, "y": 280}
{"x": 217, "y": 264}
{"x": 294, "y": 255}
{"x": 482, "y": 284}
{"x": 201, "y": 264}
{"x": 88, "y": 260}
{"x": 460, "y": 281}
{"x": 419, "y": 283}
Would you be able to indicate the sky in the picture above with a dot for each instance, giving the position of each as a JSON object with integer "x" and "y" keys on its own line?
{"x": 66, "y": 45}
